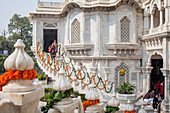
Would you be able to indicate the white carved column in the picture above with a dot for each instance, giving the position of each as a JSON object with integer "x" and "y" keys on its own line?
{"x": 83, "y": 28}
{"x": 166, "y": 74}
{"x": 165, "y": 106}
{"x": 67, "y": 30}
{"x": 98, "y": 34}
{"x": 146, "y": 78}
{"x": 138, "y": 80}
{"x": 167, "y": 11}
{"x": 161, "y": 17}
{"x": 152, "y": 21}
{"x": 146, "y": 23}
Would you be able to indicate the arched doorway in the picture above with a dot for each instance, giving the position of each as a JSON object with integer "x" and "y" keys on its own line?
{"x": 156, "y": 74}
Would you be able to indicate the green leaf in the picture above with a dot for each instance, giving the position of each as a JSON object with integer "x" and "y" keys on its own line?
{"x": 57, "y": 96}
{"x": 64, "y": 95}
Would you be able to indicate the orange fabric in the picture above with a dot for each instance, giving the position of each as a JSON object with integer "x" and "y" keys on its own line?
{"x": 89, "y": 103}
{"x": 16, "y": 75}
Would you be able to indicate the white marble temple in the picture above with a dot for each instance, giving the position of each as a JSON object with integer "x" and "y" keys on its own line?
{"x": 111, "y": 34}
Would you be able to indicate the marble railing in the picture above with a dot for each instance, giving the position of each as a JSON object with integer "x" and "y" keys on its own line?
{"x": 153, "y": 43}
{"x": 49, "y": 4}
{"x": 123, "y": 48}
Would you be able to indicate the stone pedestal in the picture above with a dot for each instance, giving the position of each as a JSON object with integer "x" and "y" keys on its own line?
{"x": 19, "y": 86}
{"x": 23, "y": 102}
{"x": 95, "y": 109}
{"x": 123, "y": 98}
{"x": 67, "y": 108}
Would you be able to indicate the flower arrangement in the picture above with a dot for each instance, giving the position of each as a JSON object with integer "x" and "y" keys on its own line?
{"x": 16, "y": 75}
{"x": 129, "y": 111}
{"x": 89, "y": 103}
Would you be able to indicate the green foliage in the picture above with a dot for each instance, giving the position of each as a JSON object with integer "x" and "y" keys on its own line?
{"x": 19, "y": 28}
{"x": 110, "y": 109}
{"x": 42, "y": 77}
{"x": 2, "y": 59}
{"x": 126, "y": 88}
{"x": 82, "y": 96}
{"x": 53, "y": 96}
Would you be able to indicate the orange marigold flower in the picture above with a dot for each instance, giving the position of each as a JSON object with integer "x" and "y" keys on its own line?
{"x": 16, "y": 73}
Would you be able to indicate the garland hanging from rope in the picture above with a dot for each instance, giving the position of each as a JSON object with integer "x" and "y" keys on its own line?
{"x": 56, "y": 67}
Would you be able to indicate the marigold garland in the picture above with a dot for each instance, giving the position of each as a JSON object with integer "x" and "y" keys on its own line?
{"x": 57, "y": 66}
{"x": 16, "y": 75}
{"x": 92, "y": 78}
{"x": 129, "y": 111}
{"x": 89, "y": 103}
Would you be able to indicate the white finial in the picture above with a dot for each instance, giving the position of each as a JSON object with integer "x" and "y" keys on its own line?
{"x": 19, "y": 60}
{"x": 62, "y": 83}
{"x": 129, "y": 106}
{"x": 114, "y": 102}
{"x": 142, "y": 110}
{"x": 92, "y": 94}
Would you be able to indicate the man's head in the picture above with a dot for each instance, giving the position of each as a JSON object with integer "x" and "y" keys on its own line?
{"x": 153, "y": 91}
{"x": 54, "y": 41}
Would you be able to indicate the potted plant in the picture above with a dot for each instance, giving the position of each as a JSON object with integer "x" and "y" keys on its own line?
{"x": 124, "y": 93}
{"x": 42, "y": 78}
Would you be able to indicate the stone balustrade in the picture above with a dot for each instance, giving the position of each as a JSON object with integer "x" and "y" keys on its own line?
{"x": 81, "y": 52}
{"x": 49, "y": 4}
{"x": 153, "y": 43}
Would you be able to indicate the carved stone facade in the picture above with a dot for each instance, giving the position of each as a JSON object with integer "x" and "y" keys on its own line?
{"x": 105, "y": 33}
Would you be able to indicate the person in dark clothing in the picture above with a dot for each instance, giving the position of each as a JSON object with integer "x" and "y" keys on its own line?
{"x": 153, "y": 93}
{"x": 155, "y": 102}
{"x": 148, "y": 98}
{"x": 157, "y": 87}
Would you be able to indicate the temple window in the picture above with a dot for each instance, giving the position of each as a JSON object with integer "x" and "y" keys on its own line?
{"x": 75, "y": 29}
{"x": 156, "y": 17}
{"x": 125, "y": 29}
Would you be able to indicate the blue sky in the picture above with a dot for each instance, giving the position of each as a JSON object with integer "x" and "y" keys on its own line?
{"x": 10, "y": 7}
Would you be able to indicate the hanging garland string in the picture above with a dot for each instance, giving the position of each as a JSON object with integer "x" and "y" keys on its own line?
{"x": 47, "y": 61}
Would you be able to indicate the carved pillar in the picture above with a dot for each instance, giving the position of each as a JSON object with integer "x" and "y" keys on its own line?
{"x": 161, "y": 17}
{"x": 167, "y": 11}
{"x": 83, "y": 28}
{"x": 166, "y": 74}
{"x": 152, "y": 22}
{"x": 138, "y": 80}
{"x": 98, "y": 34}
{"x": 146, "y": 78}
{"x": 67, "y": 30}
{"x": 146, "y": 23}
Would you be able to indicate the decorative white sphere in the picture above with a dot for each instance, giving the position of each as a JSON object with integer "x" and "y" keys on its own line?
{"x": 19, "y": 60}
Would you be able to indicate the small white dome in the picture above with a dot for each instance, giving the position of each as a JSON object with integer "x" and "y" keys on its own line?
{"x": 92, "y": 94}
{"x": 62, "y": 83}
{"x": 142, "y": 110}
{"x": 114, "y": 102}
{"x": 19, "y": 60}
{"x": 129, "y": 106}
